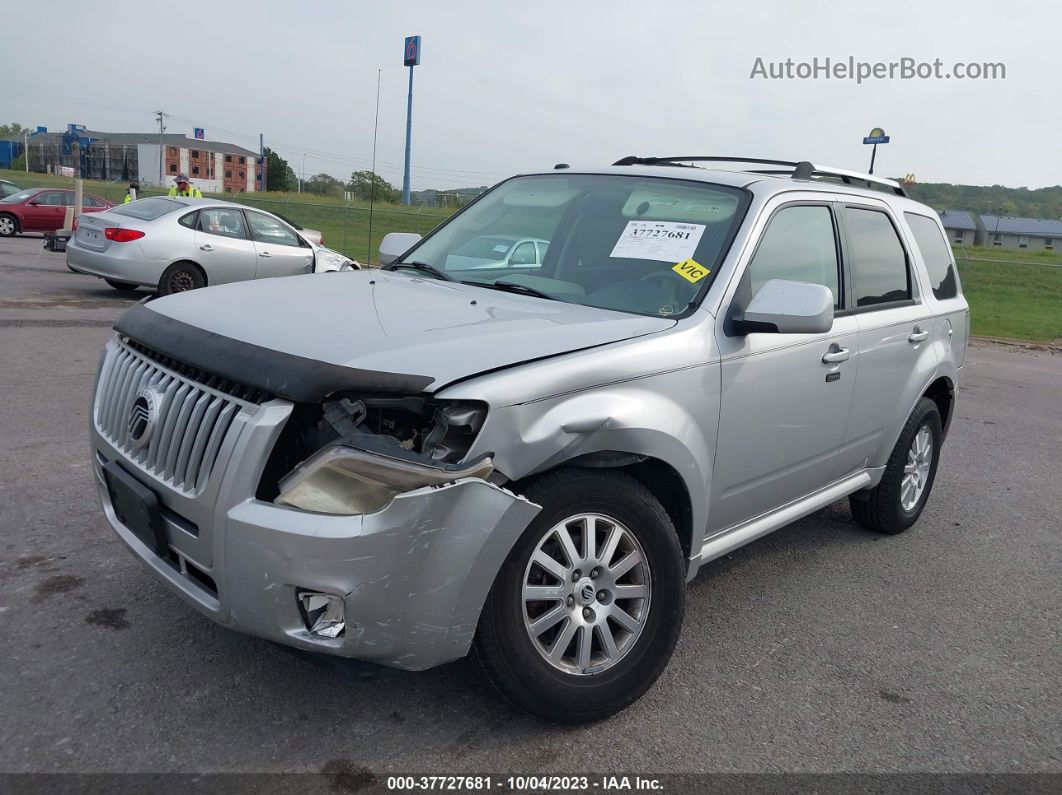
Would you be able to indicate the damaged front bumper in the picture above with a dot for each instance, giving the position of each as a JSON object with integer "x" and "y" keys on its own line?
{"x": 412, "y": 577}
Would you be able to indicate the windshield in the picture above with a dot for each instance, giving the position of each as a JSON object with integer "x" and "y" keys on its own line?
{"x": 147, "y": 209}
{"x": 636, "y": 244}
{"x": 17, "y": 198}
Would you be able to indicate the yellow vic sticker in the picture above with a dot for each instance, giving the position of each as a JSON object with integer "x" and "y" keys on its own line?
{"x": 689, "y": 270}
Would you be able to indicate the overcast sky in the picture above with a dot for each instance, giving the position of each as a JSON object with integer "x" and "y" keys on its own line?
{"x": 511, "y": 85}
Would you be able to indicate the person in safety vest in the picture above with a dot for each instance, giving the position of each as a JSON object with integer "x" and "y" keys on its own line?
{"x": 134, "y": 190}
{"x": 184, "y": 188}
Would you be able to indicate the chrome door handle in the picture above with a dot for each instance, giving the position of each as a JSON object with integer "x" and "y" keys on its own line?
{"x": 206, "y": 247}
{"x": 837, "y": 355}
{"x": 264, "y": 254}
{"x": 917, "y": 335}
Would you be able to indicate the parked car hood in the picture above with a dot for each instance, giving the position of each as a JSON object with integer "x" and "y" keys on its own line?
{"x": 303, "y": 337}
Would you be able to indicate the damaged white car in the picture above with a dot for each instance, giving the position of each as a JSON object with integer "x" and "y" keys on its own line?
{"x": 174, "y": 244}
{"x": 532, "y": 461}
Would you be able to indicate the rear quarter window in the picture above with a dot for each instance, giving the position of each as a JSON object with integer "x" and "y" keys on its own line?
{"x": 936, "y": 253}
{"x": 147, "y": 209}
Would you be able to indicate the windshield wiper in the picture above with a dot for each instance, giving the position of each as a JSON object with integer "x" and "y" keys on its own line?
{"x": 422, "y": 267}
{"x": 514, "y": 287}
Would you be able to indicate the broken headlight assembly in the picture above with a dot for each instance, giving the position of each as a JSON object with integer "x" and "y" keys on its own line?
{"x": 365, "y": 452}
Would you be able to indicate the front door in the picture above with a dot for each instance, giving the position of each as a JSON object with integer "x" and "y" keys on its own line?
{"x": 785, "y": 397}
{"x": 280, "y": 251}
{"x": 46, "y": 211}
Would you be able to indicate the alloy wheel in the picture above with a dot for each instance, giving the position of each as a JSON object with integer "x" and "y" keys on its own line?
{"x": 586, "y": 594}
{"x": 7, "y": 226}
{"x": 916, "y": 471}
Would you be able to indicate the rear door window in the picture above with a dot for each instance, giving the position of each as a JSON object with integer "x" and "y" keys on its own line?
{"x": 222, "y": 221}
{"x": 799, "y": 245}
{"x": 936, "y": 253}
{"x": 877, "y": 258}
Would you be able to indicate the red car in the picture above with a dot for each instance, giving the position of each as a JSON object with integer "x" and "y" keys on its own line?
{"x": 42, "y": 209}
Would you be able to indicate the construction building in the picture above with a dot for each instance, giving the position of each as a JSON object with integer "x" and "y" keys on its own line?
{"x": 212, "y": 166}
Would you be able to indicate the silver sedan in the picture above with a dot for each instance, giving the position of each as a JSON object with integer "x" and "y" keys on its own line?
{"x": 175, "y": 244}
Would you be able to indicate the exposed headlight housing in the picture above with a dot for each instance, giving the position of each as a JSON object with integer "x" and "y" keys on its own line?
{"x": 341, "y": 479}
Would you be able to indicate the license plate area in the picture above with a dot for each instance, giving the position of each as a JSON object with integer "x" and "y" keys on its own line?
{"x": 136, "y": 507}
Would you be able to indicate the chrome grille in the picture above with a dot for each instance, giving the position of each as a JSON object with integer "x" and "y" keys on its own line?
{"x": 191, "y": 421}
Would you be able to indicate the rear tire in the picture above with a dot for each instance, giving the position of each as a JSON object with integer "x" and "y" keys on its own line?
{"x": 117, "y": 285}
{"x": 8, "y": 225}
{"x": 627, "y": 620}
{"x": 181, "y": 277}
{"x": 897, "y": 501}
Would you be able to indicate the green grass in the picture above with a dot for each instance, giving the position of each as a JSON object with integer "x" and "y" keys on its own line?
{"x": 1013, "y": 301}
{"x": 1000, "y": 254}
{"x": 345, "y": 225}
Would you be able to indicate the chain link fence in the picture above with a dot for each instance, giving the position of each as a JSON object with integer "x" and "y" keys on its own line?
{"x": 344, "y": 225}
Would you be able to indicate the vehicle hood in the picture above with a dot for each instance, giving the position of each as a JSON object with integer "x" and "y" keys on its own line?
{"x": 303, "y": 337}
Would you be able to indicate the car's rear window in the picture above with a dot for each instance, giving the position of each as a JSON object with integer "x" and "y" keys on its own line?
{"x": 147, "y": 209}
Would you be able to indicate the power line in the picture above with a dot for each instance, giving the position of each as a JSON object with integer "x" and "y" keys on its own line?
{"x": 336, "y": 158}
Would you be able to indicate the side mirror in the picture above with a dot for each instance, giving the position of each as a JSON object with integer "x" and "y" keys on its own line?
{"x": 784, "y": 307}
{"x": 33, "y": 203}
{"x": 395, "y": 244}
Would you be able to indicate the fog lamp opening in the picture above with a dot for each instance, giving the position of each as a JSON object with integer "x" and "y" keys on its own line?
{"x": 322, "y": 614}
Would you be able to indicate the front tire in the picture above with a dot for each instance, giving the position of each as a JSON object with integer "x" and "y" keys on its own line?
{"x": 181, "y": 277}
{"x": 897, "y": 501}
{"x": 8, "y": 225}
{"x": 586, "y": 610}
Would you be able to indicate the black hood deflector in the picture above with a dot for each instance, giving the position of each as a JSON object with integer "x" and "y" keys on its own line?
{"x": 282, "y": 374}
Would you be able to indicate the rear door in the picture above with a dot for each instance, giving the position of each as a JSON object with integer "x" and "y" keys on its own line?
{"x": 784, "y": 408}
{"x": 895, "y": 353}
{"x": 279, "y": 249}
{"x": 223, "y": 245}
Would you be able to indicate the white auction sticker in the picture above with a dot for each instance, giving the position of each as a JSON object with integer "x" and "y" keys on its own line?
{"x": 667, "y": 241}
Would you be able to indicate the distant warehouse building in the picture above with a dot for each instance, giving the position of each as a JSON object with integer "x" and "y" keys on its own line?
{"x": 212, "y": 166}
{"x": 960, "y": 226}
{"x": 1004, "y": 231}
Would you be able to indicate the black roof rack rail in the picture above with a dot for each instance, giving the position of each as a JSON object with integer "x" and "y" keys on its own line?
{"x": 803, "y": 169}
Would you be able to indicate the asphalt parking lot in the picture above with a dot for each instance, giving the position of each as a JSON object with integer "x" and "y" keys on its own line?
{"x": 821, "y": 648}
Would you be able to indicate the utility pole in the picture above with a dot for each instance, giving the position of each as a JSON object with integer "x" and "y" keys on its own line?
{"x": 162, "y": 152}
{"x": 411, "y": 59}
{"x": 261, "y": 162}
{"x": 25, "y": 147}
{"x": 302, "y": 174}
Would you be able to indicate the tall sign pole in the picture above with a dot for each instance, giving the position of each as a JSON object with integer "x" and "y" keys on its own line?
{"x": 411, "y": 58}
{"x": 877, "y": 136}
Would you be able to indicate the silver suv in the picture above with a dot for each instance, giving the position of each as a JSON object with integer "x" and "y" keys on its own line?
{"x": 406, "y": 464}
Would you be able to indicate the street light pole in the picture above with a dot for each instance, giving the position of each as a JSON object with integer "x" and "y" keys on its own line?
{"x": 409, "y": 136}
{"x": 410, "y": 58}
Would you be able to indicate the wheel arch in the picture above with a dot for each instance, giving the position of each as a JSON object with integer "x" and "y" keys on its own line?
{"x": 658, "y": 476}
{"x": 942, "y": 392}
{"x": 185, "y": 260}
{"x": 16, "y": 219}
